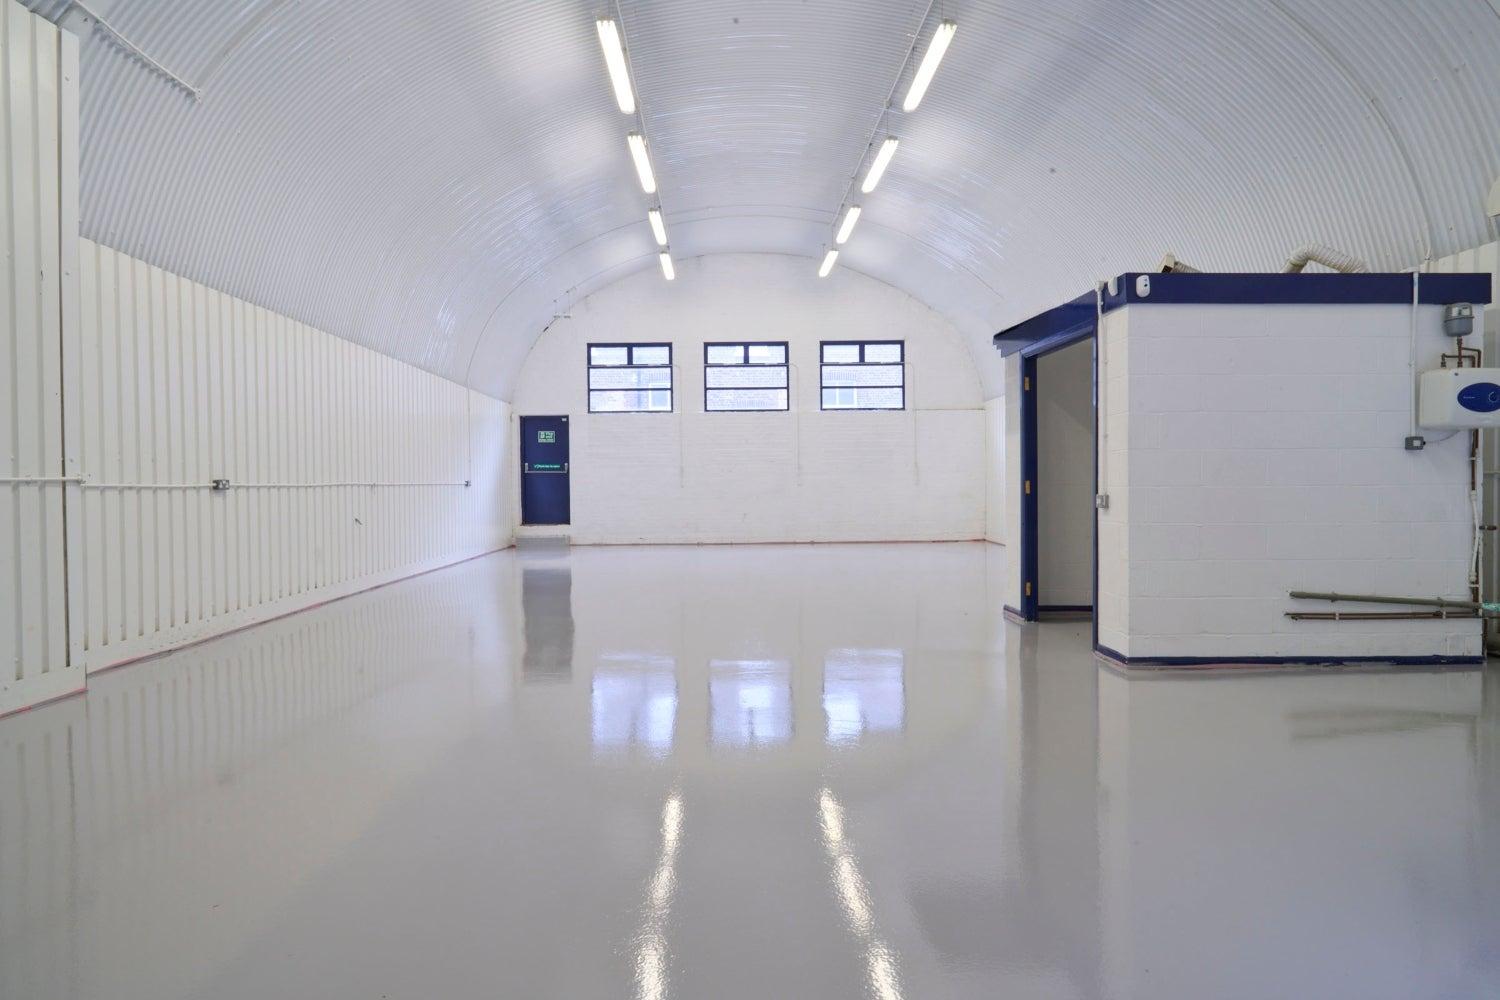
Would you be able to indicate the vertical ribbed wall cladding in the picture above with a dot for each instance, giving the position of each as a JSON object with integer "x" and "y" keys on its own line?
{"x": 38, "y": 206}
{"x": 347, "y": 468}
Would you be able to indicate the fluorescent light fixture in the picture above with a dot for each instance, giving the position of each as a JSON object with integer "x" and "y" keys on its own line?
{"x": 829, "y": 259}
{"x": 668, "y": 271}
{"x": 847, "y": 226}
{"x": 642, "y": 162}
{"x": 619, "y": 69}
{"x": 928, "y": 67}
{"x": 658, "y": 227}
{"x": 882, "y": 160}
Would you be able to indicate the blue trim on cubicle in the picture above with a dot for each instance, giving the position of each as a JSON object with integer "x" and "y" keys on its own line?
{"x": 1030, "y": 588}
{"x": 1064, "y": 324}
{"x": 1048, "y": 331}
{"x": 1296, "y": 289}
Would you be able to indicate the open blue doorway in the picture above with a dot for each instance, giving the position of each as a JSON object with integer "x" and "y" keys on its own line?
{"x": 1045, "y": 335}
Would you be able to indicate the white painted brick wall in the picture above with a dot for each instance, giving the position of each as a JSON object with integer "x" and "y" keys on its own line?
{"x": 803, "y": 475}
{"x": 994, "y": 452}
{"x": 1265, "y": 455}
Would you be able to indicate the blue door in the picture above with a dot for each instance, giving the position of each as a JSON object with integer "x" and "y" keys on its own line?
{"x": 544, "y": 470}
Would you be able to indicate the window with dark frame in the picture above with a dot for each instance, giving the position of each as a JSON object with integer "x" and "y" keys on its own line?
{"x": 863, "y": 374}
{"x": 630, "y": 378}
{"x": 745, "y": 376}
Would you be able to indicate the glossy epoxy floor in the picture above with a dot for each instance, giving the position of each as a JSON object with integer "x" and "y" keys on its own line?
{"x": 799, "y": 772}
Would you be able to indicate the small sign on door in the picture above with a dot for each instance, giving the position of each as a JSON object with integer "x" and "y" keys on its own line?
{"x": 546, "y": 437}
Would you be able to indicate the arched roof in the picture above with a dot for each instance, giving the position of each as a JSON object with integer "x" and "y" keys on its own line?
{"x": 437, "y": 180}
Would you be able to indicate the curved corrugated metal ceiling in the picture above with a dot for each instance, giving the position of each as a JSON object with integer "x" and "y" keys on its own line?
{"x": 436, "y": 180}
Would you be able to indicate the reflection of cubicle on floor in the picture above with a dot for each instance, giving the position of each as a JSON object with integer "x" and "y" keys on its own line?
{"x": 1280, "y": 824}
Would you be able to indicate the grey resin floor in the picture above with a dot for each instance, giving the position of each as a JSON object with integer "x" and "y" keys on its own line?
{"x": 721, "y": 773}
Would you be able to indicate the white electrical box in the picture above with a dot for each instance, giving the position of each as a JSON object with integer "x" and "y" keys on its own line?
{"x": 1459, "y": 398}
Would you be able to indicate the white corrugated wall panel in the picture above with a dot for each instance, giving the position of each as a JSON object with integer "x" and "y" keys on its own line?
{"x": 347, "y": 467}
{"x": 40, "y": 105}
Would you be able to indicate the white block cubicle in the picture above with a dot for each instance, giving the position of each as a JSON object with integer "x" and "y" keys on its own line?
{"x": 1251, "y": 443}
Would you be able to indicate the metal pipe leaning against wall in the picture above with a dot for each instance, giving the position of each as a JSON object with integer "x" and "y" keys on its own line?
{"x": 1421, "y": 602}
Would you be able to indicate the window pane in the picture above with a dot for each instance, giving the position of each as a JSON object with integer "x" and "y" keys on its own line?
{"x": 883, "y": 353}
{"x": 651, "y": 355}
{"x": 614, "y": 402}
{"x": 840, "y": 353}
{"x": 630, "y": 378}
{"x": 746, "y": 399}
{"x": 768, "y": 354}
{"x": 630, "y": 400}
{"x": 608, "y": 356}
{"x": 726, "y": 354}
{"x": 889, "y": 375}
{"x": 770, "y": 377}
{"x": 863, "y": 398}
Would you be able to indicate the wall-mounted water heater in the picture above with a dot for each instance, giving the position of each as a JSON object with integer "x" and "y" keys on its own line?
{"x": 1459, "y": 398}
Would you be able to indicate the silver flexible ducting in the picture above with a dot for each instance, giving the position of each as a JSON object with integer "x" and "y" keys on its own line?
{"x": 1325, "y": 255}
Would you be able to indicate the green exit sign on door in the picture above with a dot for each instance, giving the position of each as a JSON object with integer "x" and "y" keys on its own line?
{"x": 546, "y": 437}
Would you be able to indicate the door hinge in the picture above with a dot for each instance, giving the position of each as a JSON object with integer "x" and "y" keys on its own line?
{"x": 1028, "y": 588}
{"x": 1028, "y": 487}
{"x": 1028, "y": 383}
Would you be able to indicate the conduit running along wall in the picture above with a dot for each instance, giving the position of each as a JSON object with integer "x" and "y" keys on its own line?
{"x": 347, "y": 467}
{"x": 39, "y": 206}
{"x": 1485, "y": 260}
